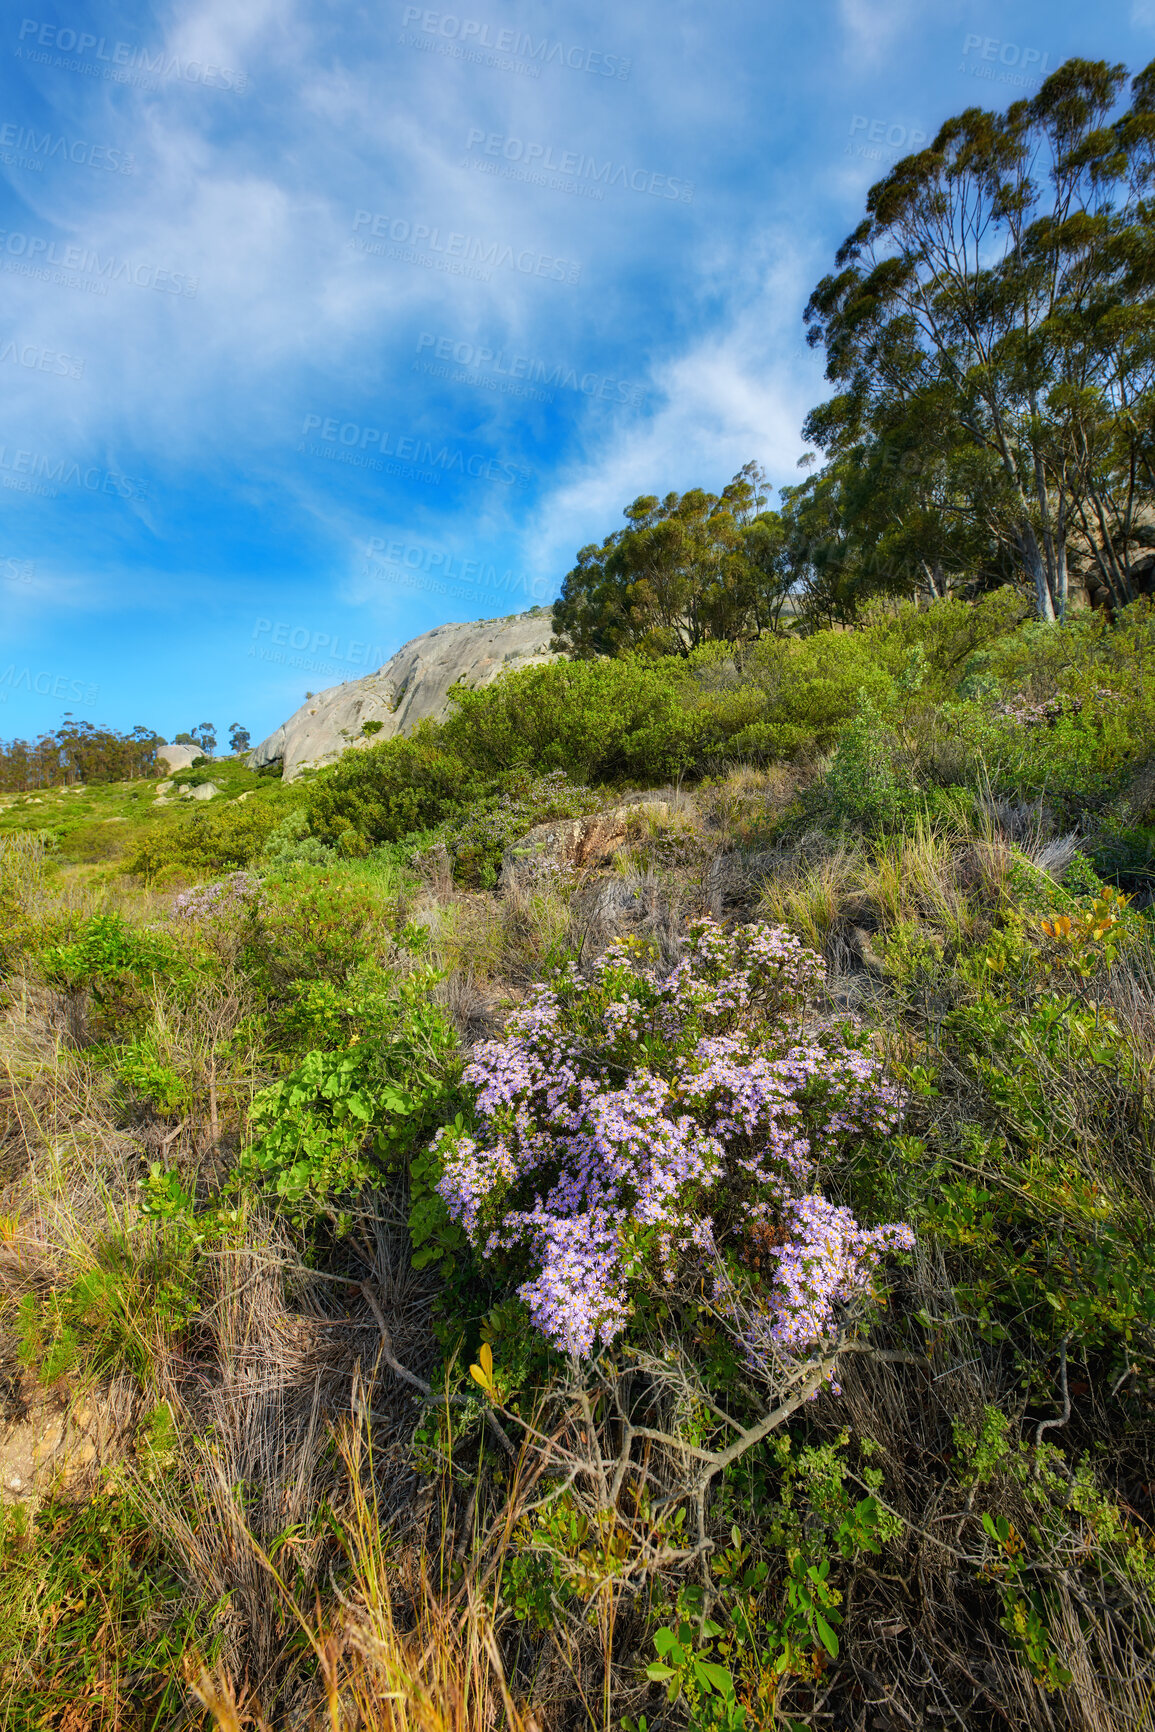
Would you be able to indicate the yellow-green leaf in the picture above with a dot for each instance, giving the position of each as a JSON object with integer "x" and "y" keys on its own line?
{"x": 483, "y": 1373}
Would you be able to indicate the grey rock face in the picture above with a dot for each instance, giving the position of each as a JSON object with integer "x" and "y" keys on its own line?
{"x": 412, "y": 686}
{"x": 178, "y": 757}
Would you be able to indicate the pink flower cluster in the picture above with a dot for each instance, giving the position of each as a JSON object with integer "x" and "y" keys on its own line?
{"x": 625, "y": 1118}
{"x": 210, "y": 901}
{"x": 825, "y": 1265}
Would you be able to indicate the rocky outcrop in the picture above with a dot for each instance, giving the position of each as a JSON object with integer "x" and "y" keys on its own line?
{"x": 412, "y": 686}
{"x": 576, "y": 844}
{"x": 178, "y": 757}
{"x": 165, "y": 795}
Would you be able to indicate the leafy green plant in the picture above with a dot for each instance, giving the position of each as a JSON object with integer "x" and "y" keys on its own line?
{"x": 116, "y": 966}
{"x": 684, "y": 1666}
{"x": 343, "y": 1116}
{"x": 145, "y": 1074}
{"x": 867, "y": 788}
{"x": 391, "y": 789}
{"x": 139, "y": 1293}
{"x": 290, "y": 844}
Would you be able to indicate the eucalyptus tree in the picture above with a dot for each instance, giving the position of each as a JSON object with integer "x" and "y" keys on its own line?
{"x": 686, "y": 569}
{"x": 992, "y": 310}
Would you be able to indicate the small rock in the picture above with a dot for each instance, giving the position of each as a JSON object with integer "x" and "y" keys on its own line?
{"x": 50, "y": 1438}
{"x": 573, "y": 842}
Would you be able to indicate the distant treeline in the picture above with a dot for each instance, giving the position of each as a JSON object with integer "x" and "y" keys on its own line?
{"x": 77, "y": 752}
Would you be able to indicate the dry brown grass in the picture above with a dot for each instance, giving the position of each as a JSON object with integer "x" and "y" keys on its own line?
{"x": 286, "y": 1412}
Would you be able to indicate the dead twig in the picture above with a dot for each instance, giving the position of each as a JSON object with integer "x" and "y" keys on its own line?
{"x": 419, "y": 1383}
{"x": 1046, "y": 1424}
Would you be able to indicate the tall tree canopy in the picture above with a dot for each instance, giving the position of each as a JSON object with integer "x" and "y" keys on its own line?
{"x": 991, "y": 318}
{"x": 685, "y": 569}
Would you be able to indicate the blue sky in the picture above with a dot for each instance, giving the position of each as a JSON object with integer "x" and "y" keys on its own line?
{"x": 323, "y": 323}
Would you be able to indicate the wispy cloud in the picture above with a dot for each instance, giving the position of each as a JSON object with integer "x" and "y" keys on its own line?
{"x": 215, "y": 299}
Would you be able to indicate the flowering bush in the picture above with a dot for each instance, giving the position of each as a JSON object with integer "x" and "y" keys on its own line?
{"x": 630, "y": 1120}
{"x": 210, "y": 901}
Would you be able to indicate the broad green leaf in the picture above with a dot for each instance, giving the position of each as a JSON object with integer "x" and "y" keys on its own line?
{"x": 826, "y": 1634}
{"x": 718, "y": 1677}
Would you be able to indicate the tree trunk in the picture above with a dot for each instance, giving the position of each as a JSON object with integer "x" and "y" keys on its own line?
{"x": 1036, "y": 567}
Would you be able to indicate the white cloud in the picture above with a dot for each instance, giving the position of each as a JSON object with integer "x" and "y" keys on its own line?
{"x": 738, "y": 393}
{"x": 873, "y": 27}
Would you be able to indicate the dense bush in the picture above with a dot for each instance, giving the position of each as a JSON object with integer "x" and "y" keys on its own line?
{"x": 603, "y": 721}
{"x": 628, "y": 1121}
{"x": 594, "y": 722}
{"x": 388, "y": 790}
{"x": 116, "y": 969}
{"x": 941, "y": 696}
{"x": 345, "y": 1117}
{"x": 215, "y": 837}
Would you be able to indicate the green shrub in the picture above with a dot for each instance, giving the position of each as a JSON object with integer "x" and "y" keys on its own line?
{"x": 211, "y": 838}
{"x": 346, "y": 1116}
{"x": 146, "y": 1075}
{"x": 867, "y": 787}
{"x": 118, "y": 966}
{"x": 768, "y": 742}
{"x": 388, "y": 790}
{"x": 290, "y": 844}
{"x": 601, "y": 721}
{"x": 310, "y": 925}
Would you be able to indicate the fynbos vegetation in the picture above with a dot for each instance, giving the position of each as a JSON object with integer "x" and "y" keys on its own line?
{"x": 632, "y": 1206}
